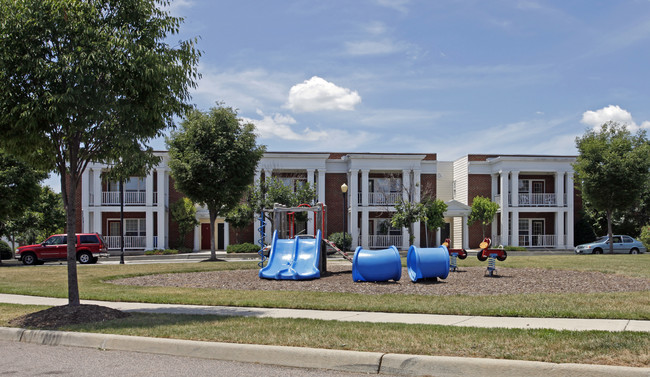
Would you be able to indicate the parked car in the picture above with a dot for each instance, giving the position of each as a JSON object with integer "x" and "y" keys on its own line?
{"x": 622, "y": 244}
{"x": 90, "y": 246}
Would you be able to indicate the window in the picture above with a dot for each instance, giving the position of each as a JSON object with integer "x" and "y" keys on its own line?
{"x": 292, "y": 182}
{"x": 88, "y": 238}
{"x": 133, "y": 184}
{"x": 57, "y": 240}
{"x": 135, "y": 228}
{"x": 387, "y": 185}
{"x": 628, "y": 239}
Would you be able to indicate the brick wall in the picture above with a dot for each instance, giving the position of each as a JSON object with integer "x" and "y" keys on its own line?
{"x": 478, "y": 184}
{"x": 334, "y": 201}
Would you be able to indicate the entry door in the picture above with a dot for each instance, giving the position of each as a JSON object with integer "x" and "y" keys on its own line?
{"x": 538, "y": 232}
{"x": 205, "y": 236}
{"x": 221, "y": 236}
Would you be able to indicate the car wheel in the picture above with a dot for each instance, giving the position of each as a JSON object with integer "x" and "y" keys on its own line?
{"x": 94, "y": 260}
{"x": 29, "y": 259}
{"x": 503, "y": 256}
{"x": 634, "y": 251}
{"x": 85, "y": 257}
{"x": 462, "y": 255}
{"x": 597, "y": 251}
{"x": 481, "y": 256}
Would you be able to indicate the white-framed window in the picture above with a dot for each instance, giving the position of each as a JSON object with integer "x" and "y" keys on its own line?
{"x": 135, "y": 227}
{"x": 532, "y": 186}
{"x": 133, "y": 184}
{"x": 387, "y": 185}
{"x": 295, "y": 183}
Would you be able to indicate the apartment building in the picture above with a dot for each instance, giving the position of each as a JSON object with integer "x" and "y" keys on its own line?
{"x": 535, "y": 195}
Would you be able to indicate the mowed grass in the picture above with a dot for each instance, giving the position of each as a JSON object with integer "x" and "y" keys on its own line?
{"x": 591, "y": 347}
{"x": 51, "y": 280}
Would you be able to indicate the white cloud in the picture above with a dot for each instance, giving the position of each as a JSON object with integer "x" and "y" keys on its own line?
{"x": 317, "y": 94}
{"x": 382, "y": 47}
{"x": 612, "y": 113}
{"x": 398, "y": 5}
{"x": 279, "y": 126}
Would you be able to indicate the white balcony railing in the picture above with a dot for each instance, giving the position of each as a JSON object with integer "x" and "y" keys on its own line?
{"x": 384, "y": 241}
{"x": 382, "y": 198}
{"x": 130, "y": 198}
{"x": 130, "y": 242}
{"x": 533, "y": 200}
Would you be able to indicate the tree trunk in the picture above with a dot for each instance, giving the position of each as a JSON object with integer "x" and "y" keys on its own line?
{"x": 213, "y": 250}
{"x": 610, "y": 232}
{"x": 69, "y": 192}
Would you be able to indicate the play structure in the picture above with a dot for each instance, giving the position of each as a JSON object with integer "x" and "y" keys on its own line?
{"x": 454, "y": 255}
{"x": 492, "y": 255}
{"x": 427, "y": 263}
{"x": 294, "y": 257}
{"x": 376, "y": 265}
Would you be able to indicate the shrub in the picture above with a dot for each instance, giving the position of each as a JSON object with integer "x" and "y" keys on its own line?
{"x": 645, "y": 236}
{"x": 343, "y": 244}
{"x": 161, "y": 252}
{"x": 245, "y": 247}
{"x": 5, "y": 250}
{"x": 515, "y": 248}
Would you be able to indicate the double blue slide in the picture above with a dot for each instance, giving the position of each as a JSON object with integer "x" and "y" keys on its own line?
{"x": 293, "y": 259}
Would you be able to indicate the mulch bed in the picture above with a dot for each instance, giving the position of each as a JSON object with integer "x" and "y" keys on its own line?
{"x": 468, "y": 281}
{"x": 58, "y": 316}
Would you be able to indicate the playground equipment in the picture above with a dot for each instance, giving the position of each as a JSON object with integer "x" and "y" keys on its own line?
{"x": 376, "y": 265}
{"x": 492, "y": 254}
{"x": 427, "y": 263}
{"x": 454, "y": 254}
{"x": 293, "y": 259}
{"x": 299, "y": 256}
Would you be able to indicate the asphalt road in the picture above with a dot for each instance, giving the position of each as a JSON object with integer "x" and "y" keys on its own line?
{"x": 27, "y": 360}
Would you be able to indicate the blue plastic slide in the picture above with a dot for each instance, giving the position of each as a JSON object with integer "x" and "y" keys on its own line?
{"x": 293, "y": 259}
{"x": 376, "y": 265}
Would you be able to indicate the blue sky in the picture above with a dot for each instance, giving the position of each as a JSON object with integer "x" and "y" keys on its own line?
{"x": 446, "y": 77}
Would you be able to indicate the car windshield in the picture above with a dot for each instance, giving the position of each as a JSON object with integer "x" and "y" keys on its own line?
{"x": 601, "y": 239}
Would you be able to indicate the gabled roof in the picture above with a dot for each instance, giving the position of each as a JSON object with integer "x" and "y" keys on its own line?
{"x": 457, "y": 209}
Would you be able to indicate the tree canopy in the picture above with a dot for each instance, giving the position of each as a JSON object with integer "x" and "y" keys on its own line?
{"x": 80, "y": 81}
{"x": 184, "y": 213}
{"x": 263, "y": 194}
{"x": 612, "y": 169}
{"x": 483, "y": 212}
{"x": 213, "y": 158}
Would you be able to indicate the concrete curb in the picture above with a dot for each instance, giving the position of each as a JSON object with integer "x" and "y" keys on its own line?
{"x": 351, "y": 361}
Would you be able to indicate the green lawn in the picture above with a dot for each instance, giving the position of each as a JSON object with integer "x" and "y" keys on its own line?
{"x": 592, "y": 347}
{"x": 50, "y": 280}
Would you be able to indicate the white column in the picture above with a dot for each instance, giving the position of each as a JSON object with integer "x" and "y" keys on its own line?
{"x": 514, "y": 183}
{"x": 559, "y": 188}
{"x": 406, "y": 182}
{"x": 310, "y": 215}
{"x": 504, "y": 208}
{"x": 465, "y": 233}
{"x": 256, "y": 222}
{"x": 321, "y": 185}
{"x": 97, "y": 221}
{"x": 365, "y": 185}
{"x": 570, "y": 214}
{"x": 353, "y": 188}
{"x": 268, "y": 229}
{"x": 515, "y": 228}
{"x": 197, "y": 238}
{"x": 226, "y": 235}
{"x": 438, "y": 235}
{"x": 149, "y": 189}
{"x": 495, "y": 186}
{"x": 97, "y": 187}
{"x": 85, "y": 201}
{"x": 149, "y": 227}
{"x": 417, "y": 186}
{"x": 559, "y": 229}
{"x": 160, "y": 208}
{"x": 310, "y": 176}
{"x": 365, "y": 219}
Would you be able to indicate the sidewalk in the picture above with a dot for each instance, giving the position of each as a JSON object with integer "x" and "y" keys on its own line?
{"x": 354, "y": 361}
{"x": 573, "y": 324}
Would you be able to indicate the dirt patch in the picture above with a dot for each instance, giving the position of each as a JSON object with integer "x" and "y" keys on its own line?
{"x": 468, "y": 281}
{"x": 59, "y": 316}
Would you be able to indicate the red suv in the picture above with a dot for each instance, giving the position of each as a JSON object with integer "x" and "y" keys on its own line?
{"x": 90, "y": 246}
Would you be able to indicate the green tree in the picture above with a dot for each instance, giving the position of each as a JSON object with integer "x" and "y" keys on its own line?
{"x": 19, "y": 189}
{"x": 213, "y": 160}
{"x": 612, "y": 169}
{"x": 239, "y": 218}
{"x": 407, "y": 213}
{"x": 184, "y": 213}
{"x": 433, "y": 212}
{"x": 483, "y": 212}
{"x": 263, "y": 194}
{"x": 46, "y": 216}
{"x": 81, "y": 79}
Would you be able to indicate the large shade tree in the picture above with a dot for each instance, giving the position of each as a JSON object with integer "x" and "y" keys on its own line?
{"x": 482, "y": 212}
{"x": 612, "y": 169}
{"x": 213, "y": 158}
{"x": 79, "y": 80}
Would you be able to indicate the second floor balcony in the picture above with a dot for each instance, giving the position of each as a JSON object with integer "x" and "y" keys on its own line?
{"x": 381, "y": 198}
{"x": 131, "y": 198}
{"x": 534, "y": 200}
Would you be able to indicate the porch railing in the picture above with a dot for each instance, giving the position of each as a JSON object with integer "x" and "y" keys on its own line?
{"x": 384, "y": 241}
{"x": 381, "y": 198}
{"x": 130, "y": 242}
{"x": 130, "y": 198}
{"x": 533, "y": 200}
{"x": 541, "y": 240}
